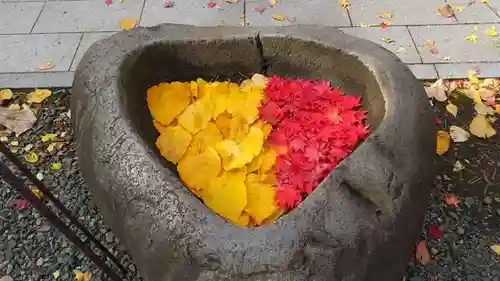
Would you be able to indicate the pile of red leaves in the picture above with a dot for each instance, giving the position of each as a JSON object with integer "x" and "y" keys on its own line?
{"x": 315, "y": 128}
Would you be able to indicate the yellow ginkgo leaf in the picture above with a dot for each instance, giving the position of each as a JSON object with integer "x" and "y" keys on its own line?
{"x": 344, "y": 4}
{"x": 492, "y": 32}
{"x": 443, "y": 142}
{"x": 48, "y": 137}
{"x": 233, "y": 156}
{"x": 128, "y": 23}
{"x": 56, "y": 166}
{"x": 38, "y": 96}
{"x": 273, "y": 3}
{"x": 173, "y": 143}
{"x": 167, "y": 100}
{"x": 197, "y": 115}
{"x": 386, "y": 15}
{"x": 196, "y": 171}
{"x": 452, "y": 109}
{"x": 473, "y": 38}
{"x": 37, "y": 192}
{"x": 261, "y": 201}
{"x": 253, "y": 141}
{"x": 209, "y": 136}
{"x": 481, "y": 127}
{"x": 32, "y": 157}
{"x": 227, "y": 195}
{"x": 6, "y": 94}
{"x": 495, "y": 248}
{"x": 278, "y": 17}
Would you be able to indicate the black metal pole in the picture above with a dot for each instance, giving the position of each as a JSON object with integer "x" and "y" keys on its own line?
{"x": 41, "y": 186}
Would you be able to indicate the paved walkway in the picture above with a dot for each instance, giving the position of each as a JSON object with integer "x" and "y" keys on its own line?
{"x": 36, "y": 33}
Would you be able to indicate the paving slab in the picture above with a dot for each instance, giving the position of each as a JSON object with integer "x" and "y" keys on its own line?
{"x": 86, "y": 16}
{"x": 405, "y": 12}
{"x": 424, "y": 71}
{"x": 321, "y": 12}
{"x": 461, "y": 70}
{"x": 396, "y": 39}
{"x": 451, "y": 45}
{"x": 192, "y": 12}
{"x": 18, "y": 17}
{"x": 87, "y": 40}
{"x": 27, "y": 53}
{"x": 476, "y": 12}
{"x": 61, "y": 79}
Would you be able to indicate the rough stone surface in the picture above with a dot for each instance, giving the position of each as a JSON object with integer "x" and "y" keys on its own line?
{"x": 361, "y": 223}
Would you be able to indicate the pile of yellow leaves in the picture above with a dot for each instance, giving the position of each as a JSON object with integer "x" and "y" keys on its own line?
{"x": 212, "y": 133}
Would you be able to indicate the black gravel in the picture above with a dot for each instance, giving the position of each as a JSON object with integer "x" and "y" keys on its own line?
{"x": 30, "y": 249}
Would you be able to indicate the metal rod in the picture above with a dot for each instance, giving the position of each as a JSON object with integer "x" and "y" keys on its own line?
{"x": 11, "y": 179}
{"x": 46, "y": 192}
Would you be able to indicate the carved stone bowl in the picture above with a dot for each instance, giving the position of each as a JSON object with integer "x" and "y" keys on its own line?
{"x": 360, "y": 224}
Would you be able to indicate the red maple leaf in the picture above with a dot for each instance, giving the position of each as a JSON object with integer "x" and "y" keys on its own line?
{"x": 288, "y": 197}
{"x": 436, "y": 232}
{"x": 211, "y": 4}
{"x": 21, "y": 204}
{"x": 108, "y": 2}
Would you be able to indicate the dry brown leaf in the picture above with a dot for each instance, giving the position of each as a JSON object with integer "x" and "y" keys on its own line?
{"x": 481, "y": 127}
{"x": 386, "y": 15}
{"x": 458, "y": 134}
{"x": 437, "y": 91}
{"x": 17, "y": 120}
{"x": 48, "y": 66}
{"x": 422, "y": 253}
{"x": 446, "y": 11}
{"x": 452, "y": 109}
{"x": 458, "y": 166}
{"x": 443, "y": 142}
{"x": 128, "y": 23}
{"x": 387, "y": 39}
{"x": 432, "y": 46}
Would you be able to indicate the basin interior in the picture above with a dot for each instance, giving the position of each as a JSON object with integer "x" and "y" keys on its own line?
{"x": 236, "y": 60}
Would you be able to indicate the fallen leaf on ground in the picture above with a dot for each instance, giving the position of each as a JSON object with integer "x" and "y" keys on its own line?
{"x": 37, "y": 192}
{"x": 108, "y": 2}
{"x": 484, "y": 1}
{"x": 82, "y": 276}
{"x": 458, "y": 134}
{"x": 422, "y": 253}
{"x": 273, "y": 3}
{"x": 344, "y": 4}
{"x": 56, "y": 166}
{"x": 48, "y": 137}
{"x": 38, "y": 96}
{"x": 211, "y": 4}
{"x": 492, "y": 32}
{"x": 386, "y": 15}
{"x": 259, "y": 9}
{"x": 47, "y": 66}
{"x": 369, "y": 25}
{"x": 17, "y": 120}
{"x": 387, "y": 39}
{"x": 278, "y": 17}
{"x": 436, "y": 231}
{"x": 458, "y": 166}
{"x": 56, "y": 274}
{"x": 31, "y": 157}
{"x": 128, "y": 23}
{"x": 495, "y": 248}
{"x": 446, "y": 11}
{"x": 473, "y": 38}
{"x": 452, "y": 109}
{"x": 385, "y": 24}
{"x": 484, "y": 109}
{"x": 443, "y": 142}
{"x": 168, "y": 4}
{"x": 437, "y": 91}
{"x": 6, "y": 94}
{"x": 21, "y": 204}
{"x": 452, "y": 199}
{"x": 481, "y": 127}
{"x": 232, "y": 1}
{"x": 432, "y": 46}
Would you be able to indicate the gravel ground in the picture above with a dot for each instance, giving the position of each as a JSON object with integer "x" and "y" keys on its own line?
{"x": 31, "y": 249}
